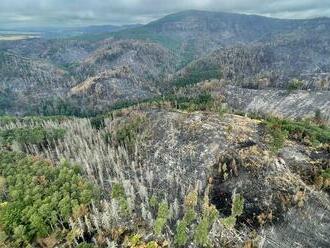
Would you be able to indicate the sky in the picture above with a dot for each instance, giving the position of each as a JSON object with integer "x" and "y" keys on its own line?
{"x": 43, "y": 13}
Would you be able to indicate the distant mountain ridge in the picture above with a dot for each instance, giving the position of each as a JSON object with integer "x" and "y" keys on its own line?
{"x": 247, "y": 50}
{"x": 206, "y": 29}
{"x": 66, "y": 32}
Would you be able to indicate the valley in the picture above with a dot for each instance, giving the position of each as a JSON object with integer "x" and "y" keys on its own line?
{"x": 199, "y": 129}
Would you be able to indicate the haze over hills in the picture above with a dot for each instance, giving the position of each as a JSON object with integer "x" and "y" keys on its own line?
{"x": 65, "y": 32}
{"x": 245, "y": 49}
{"x": 199, "y": 129}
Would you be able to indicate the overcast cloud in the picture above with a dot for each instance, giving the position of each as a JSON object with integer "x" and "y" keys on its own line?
{"x": 91, "y": 12}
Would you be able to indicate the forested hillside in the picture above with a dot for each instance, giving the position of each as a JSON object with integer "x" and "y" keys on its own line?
{"x": 200, "y": 129}
{"x": 97, "y": 71}
{"x": 165, "y": 173}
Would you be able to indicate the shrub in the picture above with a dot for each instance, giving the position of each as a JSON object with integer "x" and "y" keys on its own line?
{"x": 152, "y": 244}
{"x": 190, "y": 200}
{"x": 97, "y": 122}
{"x": 296, "y": 130}
{"x": 210, "y": 214}
{"x": 189, "y": 216}
{"x": 326, "y": 173}
{"x": 162, "y": 216}
{"x": 85, "y": 245}
{"x": 238, "y": 205}
{"x": 153, "y": 201}
{"x": 237, "y": 209}
{"x": 202, "y": 101}
{"x": 202, "y": 231}
{"x": 295, "y": 84}
{"x": 229, "y": 222}
{"x": 107, "y": 137}
{"x": 127, "y": 133}
{"x": 134, "y": 240}
{"x": 318, "y": 118}
{"x": 181, "y": 236}
{"x": 196, "y": 77}
{"x": 278, "y": 136}
{"x": 118, "y": 193}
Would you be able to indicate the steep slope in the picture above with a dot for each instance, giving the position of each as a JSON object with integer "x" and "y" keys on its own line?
{"x": 62, "y": 52}
{"x": 194, "y": 33}
{"x": 157, "y": 168}
{"x": 29, "y": 81}
{"x": 281, "y": 103}
{"x": 123, "y": 70}
{"x": 97, "y": 73}
{"x": 274, "y": 64}
{"x": 250, "y": 51}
